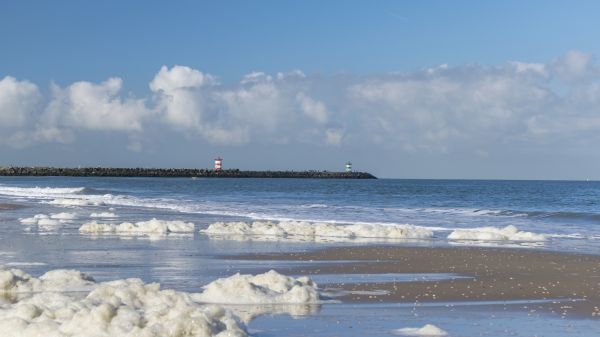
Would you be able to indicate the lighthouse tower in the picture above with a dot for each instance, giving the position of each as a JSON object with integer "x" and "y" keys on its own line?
{"x": 348, "y": 167}
{"x": 218, "y": 163}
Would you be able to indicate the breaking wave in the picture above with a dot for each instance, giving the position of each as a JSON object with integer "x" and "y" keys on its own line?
{"x": 39, "y": 192}
{"x": 508, "y": 233}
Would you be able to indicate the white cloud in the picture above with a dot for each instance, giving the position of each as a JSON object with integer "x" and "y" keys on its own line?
{"x": 18, "y": 102}
{"x": 256, "y": 77}
{"x": 181, "y": 97}
{"x": 86, "y": 105}
{"x": 25, "y": 138}
{"x": 575, "y": 66}
{"x": 314, "y": 109}
{"x": 258, "y": 108}
{"x": 529, "y": 68}
{"x": 469, "y": 108}
{"x": 460, "y": 104}
{"x": 333, "y": 137}
{"x": 258, "y": 102}
{"x": 292, "y": 74}
{"x": 179, "y": 77}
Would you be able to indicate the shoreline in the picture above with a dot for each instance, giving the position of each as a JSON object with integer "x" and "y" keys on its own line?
{"x": 174, "y": 173}
{"x": 569, "y": 282}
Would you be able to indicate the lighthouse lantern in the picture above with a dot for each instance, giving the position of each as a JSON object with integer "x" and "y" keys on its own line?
{"x": 348, "y": 167}
{"x": 218, "y": 163}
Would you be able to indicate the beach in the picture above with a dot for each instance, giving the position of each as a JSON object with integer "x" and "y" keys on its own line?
{"x": 287, "y": 257}
{"x": 569, "y": 282}
{"x": 4, "y": 207}
{"x": 299, "y": 169}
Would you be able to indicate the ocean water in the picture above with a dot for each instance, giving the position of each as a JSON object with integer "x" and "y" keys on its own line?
{"x": 567, "y": 214}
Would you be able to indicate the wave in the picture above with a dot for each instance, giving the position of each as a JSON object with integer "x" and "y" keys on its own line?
{"x": 87, "y": 196}
{"x": 92, "y": 191}
{"x": 282, "y": 213}
{"x": 314, "y": 206}
{"x": 573, "y": 216}
{"x": 436, "y": 219}
{"x": 508, "y": 233}
{"x": 550, "y": 215}
{"x": 39, "y": 192}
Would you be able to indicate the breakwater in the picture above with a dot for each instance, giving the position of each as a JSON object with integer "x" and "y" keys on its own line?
{"x": 175, "y": 173}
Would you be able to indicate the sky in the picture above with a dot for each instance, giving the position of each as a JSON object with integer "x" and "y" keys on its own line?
{"x": 403, "y": 89}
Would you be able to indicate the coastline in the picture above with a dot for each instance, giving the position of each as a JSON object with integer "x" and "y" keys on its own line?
{"x": 564, "y": 283}
{"x": 175, "y": 173}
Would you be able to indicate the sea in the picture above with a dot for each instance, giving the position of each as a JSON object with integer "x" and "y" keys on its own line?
{"x": 565, "y": 213}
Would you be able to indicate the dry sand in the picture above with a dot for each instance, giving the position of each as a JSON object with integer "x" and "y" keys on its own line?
{"x": 498, "y": 275}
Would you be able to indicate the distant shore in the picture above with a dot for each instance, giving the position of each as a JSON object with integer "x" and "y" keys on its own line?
{"x": 175, "y": 173}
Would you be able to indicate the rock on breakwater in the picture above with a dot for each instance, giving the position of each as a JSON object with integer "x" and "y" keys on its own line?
{"x": 176, "y": 173}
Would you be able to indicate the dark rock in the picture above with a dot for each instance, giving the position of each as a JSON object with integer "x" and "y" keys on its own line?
{"x": 176, "y": 173}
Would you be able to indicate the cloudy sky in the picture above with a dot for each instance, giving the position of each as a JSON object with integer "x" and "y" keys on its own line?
{"x": 406, "y": 89}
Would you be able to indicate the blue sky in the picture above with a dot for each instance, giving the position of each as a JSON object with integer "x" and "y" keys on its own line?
{"x": 355, "y": 58}
{"x": 66, "y": 41}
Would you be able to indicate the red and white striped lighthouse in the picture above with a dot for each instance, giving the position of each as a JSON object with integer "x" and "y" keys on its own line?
{"x": 218, "y": 163}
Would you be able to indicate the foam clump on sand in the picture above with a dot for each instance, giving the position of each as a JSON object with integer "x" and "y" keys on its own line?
{"x": 40, "y": 219}
{"x": 118, "y": 308}
{"x": 268, "y": 288}
{"x": 426, "y": 330}
{"x": 316, "y": 230}
{"x": 17, "y": 281}
{"x": 508, "y": 233}
{"x": 48, "y": 305}
{"x": 48, "y": 220}
{"x": 153, "y": 226}
{"x": 104, "y": 215}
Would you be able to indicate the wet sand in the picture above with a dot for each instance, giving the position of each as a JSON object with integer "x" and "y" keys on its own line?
{"x": 498, "y": 275}
{"x": 7, "y": 207}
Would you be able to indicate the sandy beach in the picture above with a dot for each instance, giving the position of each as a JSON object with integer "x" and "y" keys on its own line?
{"x": 570, "y": 282}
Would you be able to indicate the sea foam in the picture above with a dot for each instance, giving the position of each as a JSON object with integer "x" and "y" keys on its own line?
{"x": 104, "y": 215}
{"x": 118, "y": 308}
{"x": 64, "y": 216}
{"x": 153, "y": 226}
{"x": 41, "y": 220}
{"x": 316, "y": 230}
{"x": 18, "y": 281}
{"x": 426, "y": 330}
{"x": 47, "y": 306}
{"x": 48, "y": 220}
{"x": 67, "y": 202}
{"x": 508, "y": 233}
{"x": 268, "y": 288}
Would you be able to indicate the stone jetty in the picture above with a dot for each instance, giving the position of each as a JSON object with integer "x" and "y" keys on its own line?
{"x": 175, "y": 173}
